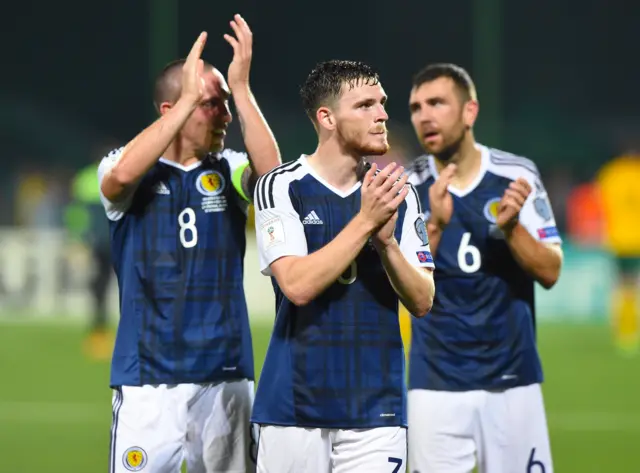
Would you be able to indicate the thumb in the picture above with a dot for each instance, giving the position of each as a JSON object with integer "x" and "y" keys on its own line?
{"x": 449, "y": 171}
{"x": 443, "y": 185}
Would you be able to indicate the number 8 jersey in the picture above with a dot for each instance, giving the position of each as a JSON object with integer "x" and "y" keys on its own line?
{"x": 178, "y": 245}
{"x": 481, "y": 331}
{"x": 337, "y": 362}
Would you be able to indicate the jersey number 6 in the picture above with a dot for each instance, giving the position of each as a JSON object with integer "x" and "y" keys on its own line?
{"x": 188, "y": 230}
{"x": 469, "y": 258}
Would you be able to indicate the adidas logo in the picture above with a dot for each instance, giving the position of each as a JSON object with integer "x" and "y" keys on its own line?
{"x": 312, "y": 219}
{"x": 161, "y": 188}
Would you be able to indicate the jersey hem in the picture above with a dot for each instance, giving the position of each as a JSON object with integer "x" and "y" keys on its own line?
{"x": 176, "y": 383}
{"x": 476, "y": 388}
{"x": 309, "y": 425}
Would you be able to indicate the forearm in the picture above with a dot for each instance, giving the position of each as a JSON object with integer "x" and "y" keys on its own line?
{"x": 141, "y": 153}
{"x": 306, "y": 277}
{"x": 259, "y": 141}
{"x": 414, "y": 286}
{"x": 543, "y": 262}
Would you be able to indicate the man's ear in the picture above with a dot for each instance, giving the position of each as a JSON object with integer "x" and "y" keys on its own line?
{"x": 165, "y": 107}
{"x": 470, "y": 113}
{"x": 325, "y": 118}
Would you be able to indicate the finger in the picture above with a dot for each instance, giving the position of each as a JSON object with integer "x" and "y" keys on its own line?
{"x": 445, "y": 178}
{"x": 393, "y": 178}
{"x": 520, "y": 191}
{"x": 510, "y": 203}
{"x": 200, "y": 68}
{"x": 368, "y": 177}
{"x": 197, "y": 48}
{"x": 242, "y": 22}
{"x": 441, "y": 186}
{"x": 396, "y": 185}
{"x": 524, "y": 183}
{"x": 437, "y": 191}
{"x": 237, "y": 31}
{"x": 521, "y": 185}
{"x": 516, "y": 195}
{"x": 382, "y": 176}
{"x": 449, "y": 171}
{"x": 402, "y": 182}
{"x": 244, "y": 27}
{"x": 233, "y": 42}
{"x": 398, "y": 199}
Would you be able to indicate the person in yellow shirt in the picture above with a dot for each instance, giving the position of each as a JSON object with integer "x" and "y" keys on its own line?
{"x": 619, "y": 185}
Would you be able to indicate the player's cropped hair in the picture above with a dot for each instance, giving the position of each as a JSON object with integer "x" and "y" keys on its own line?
{"x": 457, "y": 74}
{"x": 324, "y": 83}
{"x": 168, "y": 83}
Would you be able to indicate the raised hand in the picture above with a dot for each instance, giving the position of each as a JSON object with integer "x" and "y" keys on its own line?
{"x": 440, "y": 200}
{"x": 511, "y": 204}
{"x": 382, "y": 194}
{"x": 242, "y": 44}
{"x": 192, "y": 71}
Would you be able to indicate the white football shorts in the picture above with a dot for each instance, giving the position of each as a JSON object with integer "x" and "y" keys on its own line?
{"x": 504, "y": 432}
{"x": 156, "y": 428}
{"x": 310, "y": 450}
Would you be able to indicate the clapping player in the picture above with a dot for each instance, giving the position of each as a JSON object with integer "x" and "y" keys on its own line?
{"x": 342, "y": 251}
{"x": 182, "y": 369}
{"x": 475, "y": 373}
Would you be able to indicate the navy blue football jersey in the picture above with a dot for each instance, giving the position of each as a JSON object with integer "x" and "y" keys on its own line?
{"x": 178, "y": 245}
{"x": 481, "y": 330}
{"x": 337, "y": 362}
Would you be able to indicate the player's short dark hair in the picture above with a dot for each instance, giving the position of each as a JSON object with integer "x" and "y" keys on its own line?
{"x": 168, "y": 84}
{"x": 460, "y": 77}
{"x": 324, "y": 83}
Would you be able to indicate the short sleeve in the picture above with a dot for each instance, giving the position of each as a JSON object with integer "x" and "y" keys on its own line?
{"x": 238, "y": 163}
{"x": 279, "y": 231}
{"x": 115, "y": 210}
{"x": 414, "y": 240}
{"x": 537, "y": 215}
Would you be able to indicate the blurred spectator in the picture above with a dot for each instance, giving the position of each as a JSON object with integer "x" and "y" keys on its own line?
{"x": 619, "y": 187}
{"x": 86, "y": 222}
{"x": 584, "y": 220}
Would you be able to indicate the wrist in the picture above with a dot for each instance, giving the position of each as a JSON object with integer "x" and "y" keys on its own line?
{"x": 383, "y": 247}
{"x": 364, "y": 224}
{"x": 510, "y": 230}
{"x": 187, "y": 103}
{"x": 240, "y": 91}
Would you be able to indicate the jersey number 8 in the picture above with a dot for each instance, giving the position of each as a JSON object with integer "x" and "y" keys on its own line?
{"x": 188, "y": 230}
{"x": 469, "y": 258}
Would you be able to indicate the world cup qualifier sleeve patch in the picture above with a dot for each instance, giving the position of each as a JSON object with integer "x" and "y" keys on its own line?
{"x": 542, "y": 207}
{"x": 421, "y": 231}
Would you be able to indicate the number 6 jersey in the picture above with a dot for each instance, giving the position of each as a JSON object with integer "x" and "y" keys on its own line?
{"x": 481, "y": 331}
{"x": 178, "y": 244}
{"x": 337, "y": 362}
